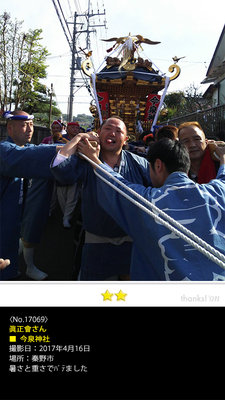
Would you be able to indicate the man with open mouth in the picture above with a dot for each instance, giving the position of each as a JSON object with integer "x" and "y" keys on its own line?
{"x": 107, "y": 249}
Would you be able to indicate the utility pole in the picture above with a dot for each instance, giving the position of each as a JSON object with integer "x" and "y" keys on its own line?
{"x": 72, "y": 75}
{"x": 0, "y": 93}
{"x": 76, "y": 59}
{"x": 50, "y": 109}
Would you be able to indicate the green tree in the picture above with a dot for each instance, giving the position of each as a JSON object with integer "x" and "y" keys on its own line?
{"x": 9, "y": 36}
{"x": 29, "y": 92}
{"x": 184, "y": 102}
{"x": 175, "y": 100}
{"x": 84, "y": 120}
{"x": 23, "y": 64}
{"x": 194, "y": 100}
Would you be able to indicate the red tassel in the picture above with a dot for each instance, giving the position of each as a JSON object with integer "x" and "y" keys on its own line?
{"x": 108, "y": 51}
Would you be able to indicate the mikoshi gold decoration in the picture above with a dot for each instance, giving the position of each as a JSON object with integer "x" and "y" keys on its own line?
{"x": 177, "y": 73}
{"x": 128, "y": 81}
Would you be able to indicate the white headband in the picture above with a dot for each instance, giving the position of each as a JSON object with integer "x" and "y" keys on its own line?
{"x": 7, "y": 115}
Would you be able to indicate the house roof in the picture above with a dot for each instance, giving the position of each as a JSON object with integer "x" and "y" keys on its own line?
{"x": 216, "y": 68}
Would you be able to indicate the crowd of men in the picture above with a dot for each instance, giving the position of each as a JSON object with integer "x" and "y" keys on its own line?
{"x": 178, "y": 170}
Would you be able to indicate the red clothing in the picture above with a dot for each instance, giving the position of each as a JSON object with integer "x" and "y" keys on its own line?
{"x": 207, "y": 170}
{"x": 47, "y": 140}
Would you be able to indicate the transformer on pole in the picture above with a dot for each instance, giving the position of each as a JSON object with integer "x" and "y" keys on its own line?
{"x": 76, "y": 59}
{"x": 75, "y": 53}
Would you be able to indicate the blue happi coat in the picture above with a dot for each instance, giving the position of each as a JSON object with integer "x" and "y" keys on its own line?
{"x": 17, "y": 163}
{"x": 102, "y": 261}
{"x": 95, "y": 219}
{"x": 158, "y": 254}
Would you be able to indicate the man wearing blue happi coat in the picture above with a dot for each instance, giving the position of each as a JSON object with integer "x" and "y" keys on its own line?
{"x": 20, "y": 160}
{"x": 107, "y": 249}
{"x": 158, "y": 253}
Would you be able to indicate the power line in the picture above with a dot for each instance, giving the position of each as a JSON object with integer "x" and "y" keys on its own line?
{"x": 68, "y": 1}
{"x": 64, "y": 19}
{"x": 60, "y": 55}
{"x": 183, "y": 61}
{"x": 60, "y": 19}
{"x": 75, "y": 102}
{"x": 79, "y": 20}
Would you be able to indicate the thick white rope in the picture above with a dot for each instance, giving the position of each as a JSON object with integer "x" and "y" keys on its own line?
{"x": 167, "y": 82}
{"x": 198, "y": 244}
{"x": 93, "y": 78}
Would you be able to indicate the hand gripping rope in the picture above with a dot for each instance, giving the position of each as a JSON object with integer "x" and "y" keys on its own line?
{"x": 192, "y": 239}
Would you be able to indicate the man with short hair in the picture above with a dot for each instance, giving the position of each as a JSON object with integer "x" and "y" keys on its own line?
{"x": 20, "y": 160}
{"x": 107, "y": 248}
{"x": 158, "y": 253}
{"x": 202, "y": 168}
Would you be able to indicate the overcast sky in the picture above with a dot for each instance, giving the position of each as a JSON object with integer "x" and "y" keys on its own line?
{"x": 190, "y": 29}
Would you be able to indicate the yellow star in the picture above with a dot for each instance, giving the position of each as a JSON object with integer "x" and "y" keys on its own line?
{"x": 107, "y": 295}
{"x": 121, "y": 295}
